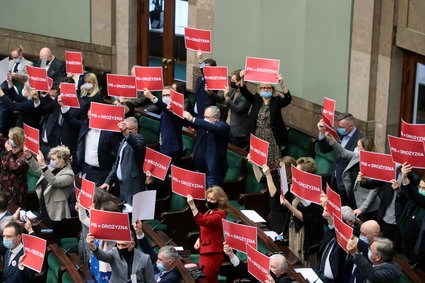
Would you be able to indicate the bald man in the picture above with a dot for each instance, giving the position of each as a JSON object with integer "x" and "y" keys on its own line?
{"x": 55, "y": 68}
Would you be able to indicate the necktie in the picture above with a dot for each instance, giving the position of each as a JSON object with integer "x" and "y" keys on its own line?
{"x": 15, "y": 69}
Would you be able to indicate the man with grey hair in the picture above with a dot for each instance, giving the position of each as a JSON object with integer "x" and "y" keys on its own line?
{"x": 278, "y": 266}
{"x": 126, "y": 171}
{"x": 349, "y": 135}
{"x": 381, "y": 252}
{"x": 331, "y": 256}
{"x": 210, "y": 149}
{"x": 164, "y": 264}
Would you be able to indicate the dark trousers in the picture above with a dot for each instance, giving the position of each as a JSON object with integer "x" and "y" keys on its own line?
{"x": 391, "y": 232}
{"x": 94, "y": 174}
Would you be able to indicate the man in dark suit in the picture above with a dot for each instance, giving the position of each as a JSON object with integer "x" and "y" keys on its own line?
{"x": 204, "y": 97}
{"x": 13, "y": 255}
{"x": 349, "y": 135}
{"x": 210, "y": 149}
{"x": 55, "y": 68}
{"x": 381, "y": 268}
{"x": 278, "y": 266}
{"x": 164, "y": 264}
{"x": 95, "y": 148}
{"x": 127, "y": 169}
{"x": 170, "y": 126}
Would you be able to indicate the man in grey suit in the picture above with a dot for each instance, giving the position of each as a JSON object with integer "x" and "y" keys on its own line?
{"x": 383, "y": 268}
{"x": 17, "y": 65}
{"x": 126, "y": 261}
{"x": 127, "y": 169}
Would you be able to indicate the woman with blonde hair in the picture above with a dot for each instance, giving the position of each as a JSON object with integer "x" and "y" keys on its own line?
{"x": 210, "y": 242}
{"x": 89, "y": 92}
{"x": 13, "y": 168}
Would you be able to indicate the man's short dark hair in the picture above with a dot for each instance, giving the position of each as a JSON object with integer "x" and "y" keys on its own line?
{"x": 345, "y": 116}
{"x": 17, "y": 226}
{"x": 3, "y": 201}
{"x": 210, "y": 61}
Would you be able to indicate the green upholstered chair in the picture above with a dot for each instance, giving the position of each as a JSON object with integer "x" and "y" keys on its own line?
{"x": 299, "y": 144}
{"x": 149, "y": 129}
{"x": 324, "y": 161}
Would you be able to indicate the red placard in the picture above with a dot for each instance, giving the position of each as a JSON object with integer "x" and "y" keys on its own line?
{"x": 77, "y": 191}
{"x": 122, "y": 86}
{"x": 156, "y": 163}
{"x": 261, "y": 70}
{"x": 35, "y": 250}
{"x": 106, "y": 117}
{"x": 238, "y": 236}
{"x": 216, "y": 78}
{"x": 377, "y": 166}
{"x": 49, "y": 82}
{"x": 410, "y": 151}
{"x": 69, "y": 95}
{"x": 197, "y": 39}
{"x": 258, "y": 264}
{"x": 74, "y": 62}
{"x": 32, "y": 139}
{"x": 332, "y": 132}
{"x": 37, "y": 78}
{"x": 258, "y": 150}
{"x": 306, "y": 185}
{"x": 185, "y": 182}
{"x": 412, "y": 131}
{"x": 176, "y": 103}
{"x": 149, "y": 77}
{"x": 333, "y": 206}
{"x": 328, "y": 112}
{"x": 343, "y": 233}
{"x": 86, "y": 193}
{"x": 113, "y": 226}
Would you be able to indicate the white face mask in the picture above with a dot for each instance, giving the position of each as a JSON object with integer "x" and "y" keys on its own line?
{"x": 356, "y": 151}
{"x": 166, "y": 99}
{"x": 206, "y": 119}
{"x": 88, "y": 86}
{"x": 305, "y": 202}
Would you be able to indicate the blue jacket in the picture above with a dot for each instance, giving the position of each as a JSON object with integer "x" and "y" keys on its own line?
{"x": 170, "y": 130}
{"x": 203, "y": 100}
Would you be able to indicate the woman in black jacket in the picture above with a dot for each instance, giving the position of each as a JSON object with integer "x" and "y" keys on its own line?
{"x": 266, "y": 121}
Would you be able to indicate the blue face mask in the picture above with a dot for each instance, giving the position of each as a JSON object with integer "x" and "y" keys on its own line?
{"x": 342, "y": 131}
{"x": 17, "y": 61}
{"x": 369, "y": 255}
{"x": 266, "y": 94}
{"x": 166, "y": 99}
{"x": 8, "y": 243}
{"x": 364, "y": 239}
{"x": 421, "y": 192}
{"x": 53, "y": 164}
{"x": 12, "y": 143}
{"x": 161, "y": 266}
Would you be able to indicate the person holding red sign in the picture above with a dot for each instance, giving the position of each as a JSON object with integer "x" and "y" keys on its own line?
{"x": 53, "y": 187}
{"x": 13, "y": 255}
{"x": 209, "y": 242}
{"x": 55, "y": 68}
{"x": 364, "y": 202}
{"x": 126, "y": 172}
{"x": 381, "y": 267}
{"x": 236, "y": 111}
{"x": 306, "y": 227}
{"x": 204, "y": 97}
{"x": 89, "y": 92}
{"x": 13, "y": 168}
{"x": 266, "y": 120}
{"x": 278, "y": 266}
{"x": 142, "y": 103}
{"x": 349, "y": 136}
{"x": 170, "y": 126}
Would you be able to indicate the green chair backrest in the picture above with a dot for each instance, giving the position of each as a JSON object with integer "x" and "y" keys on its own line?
{"x": 324, "y": 161}
{"x": 298, "y": 144}
{"x": 54, "y": 266}
{"x": 177, "y": 202}
{"x": 149, "y": 129}
{"x": 66, "y": 278}
{"x": 235, "y": 162}
{"x": 187, "y": 145}
{"x": 251, "y": 184}
{"x": 32, "y": 178}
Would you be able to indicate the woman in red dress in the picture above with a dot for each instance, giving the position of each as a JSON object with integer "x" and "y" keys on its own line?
{"x": 210, "y": 241}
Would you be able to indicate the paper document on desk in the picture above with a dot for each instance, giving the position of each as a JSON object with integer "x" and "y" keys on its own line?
{"x": 308, "y": 274}
{"x": 253, "y": 215}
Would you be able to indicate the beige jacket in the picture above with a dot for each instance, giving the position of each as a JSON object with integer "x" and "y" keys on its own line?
{"x": 57, "y": 191}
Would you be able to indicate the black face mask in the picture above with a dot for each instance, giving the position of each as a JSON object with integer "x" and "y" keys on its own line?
{"x": 125, "y": 252}
{"x": 211, "y": 205}
{"x": 233, "y": 85}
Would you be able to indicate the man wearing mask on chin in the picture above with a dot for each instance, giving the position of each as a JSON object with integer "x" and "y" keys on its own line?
{"x": 380, "y": 254}
{"x": 210, "y": 149}
{"x": 13, "y": 255}
{"x": 125, "y": 261}
{"x": 170, "y": 126}
{"x": 55, "y": 68}
{"x": 349, "y": 136}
